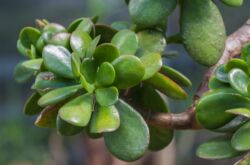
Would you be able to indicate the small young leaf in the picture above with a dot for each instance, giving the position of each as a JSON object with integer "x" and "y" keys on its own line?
{"x": 34, "y": 64}
{"x": 106, "y": 32}
{"x": 77, "y": 111}
{"x": 107, "y": 96}
{"x": 79, "y": 42}
{"x": 31, "y": 107}
{"x": 61, "y": 38}
{"x": 88, "y": 69}
{"x": 240, "y": 140}
{"x": 85, "y": 25}
{"x": 29, "y": 36}
{"x": 240, "y": 111}
{"x": 129, "y": 71}
{"x": 105, "y": 52}
{"x": 57, "y": 95}
{"x": 130, "y": 141}
{"x": 105, "y": 74}
{"x": 217, "y": 148}
{"x": 57, "y": 59}
{"x": 237, "y": 63}
{"x": 91, "y": 49}
{"x": 105, "y": 119}
{"x": 73, "y": 25}
{"x": 126, "y": 41}
{"x": 221, "y": 74}
{"x": 54, "y": 28}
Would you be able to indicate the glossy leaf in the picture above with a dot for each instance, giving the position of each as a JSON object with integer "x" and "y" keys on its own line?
{"x": 34, "y": 64}
{"x": 105, "y": 119}
{"x": 221, "y": 74}
{"x": 129, "y": 71}
{"x": 126, "y": 41}
{"x": 105, "y": 74}
{"x": 89, "y": 69}
{"x": 245, "y": 53}
{"x": 40, "y": 44}
{"x": 91, "y": 49}
{"x": 176, "y": 76}
{"x": 233, "y": 3}
{"x": 31, "y": 107}
{"x": 237, "y": 63}
{"x": 67, "y": 129}
{"x": 166, "y": 86}
{"x": 107, "y": 96}
{"x": 54, "y": 28}
{"x": 239, "y": 80}
{"x": 240, "y": 111}
{"x": 217, "y": 148}
{"x": 240, "y": 140}
{"x": 61, "y": 38}
{"x": 21, "y": 49}
{"x": 22, "y": 74}
{"x": 106, "y": 32}
{"x": 85, "y": 25}
{"x": 79, "y": 42}
{"x": 57, "y": 59}
{"x": 77, "y": 111}
{"x": 210, "y": 112}
{"x": 214, "y": 83}
{"x": 152, "y": 63}
{"x": 121, "y": 25}
{"x": 106, "y": 52}
{"x": 130, "y": 141}
{"x": 29, "y": 36}
{"x": 73, "y": 25}
{"x": 75, "y": 64}
{"x": 57, "y": 95}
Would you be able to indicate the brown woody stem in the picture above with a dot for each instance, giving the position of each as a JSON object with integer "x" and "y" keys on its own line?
{"x": 186, "y": 119}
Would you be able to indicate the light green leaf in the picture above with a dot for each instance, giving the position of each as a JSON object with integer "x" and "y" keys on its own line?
{"x": 107, "y": 96}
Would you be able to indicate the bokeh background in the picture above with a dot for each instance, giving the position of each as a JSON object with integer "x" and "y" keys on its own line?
{"x": 21, "y": 143}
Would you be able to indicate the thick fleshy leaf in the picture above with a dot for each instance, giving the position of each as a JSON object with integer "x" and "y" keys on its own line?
{"x": 233, "y": 3}
{"x": 85, "y": 25}
{"x": 237, "y": 63}
{"x": 32, "y": 53}
{"x": 245, "y": 53}
{"x": 48, "y": 116}
{"x": 77, "y": 111}
{"x": 129, "y": 71}
{"x": 240, "y": 140}
{"x": 104, "y": 119}
{"x": 31, "y": 107}
{"x": 67, "y": 129}
{"x": 106, "y": 32}
{"x": 210, "y": 110}
{"x": 214, "y": 83}
{"x": 34, "y": 64}
{"x": 239, "y": 81}
{"x": 79, "y": 42}
{"x": 107, "y": 96}
{"x": 88, "y": 69}
{"x": 40, "y": 44}
{"x": 121, "y": 25}
{"x": 61, "y": 38}
{"x": 130, "y": 141}
{"x": 57, "y": 59}
{"x": 152, "y": 63}
{"x": 75, "y": 64}
{"x": 217, "y": 148}
{"x": 21, "y": 49}
{"x": 105, "y": 74}
{"x": 106, "y": 52}
{"x": 46, "y": 81}
{"x": 54, "y": 28}
{"x": 57, "y": 95}
{"x": 73, "y": 25}
{"x": 150, "y": 41}
{"x": 91, "y": 49}
{"x": 176, "y": 76}
{"x": 221, "y": 74}
{"x": 29, "y": 36}
{"x": 240, "y": 111}
{"x": 22, "y": 74}
{"x": 166, "y": 86}
{"x": 126, "y": 41}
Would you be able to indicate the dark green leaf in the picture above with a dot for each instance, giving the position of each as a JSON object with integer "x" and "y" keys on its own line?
{"x": 29, "y": 36}
{"x": 106, "y": 52}
{"x": 67, "y": 129}
{"x": 31, "y": 107}
{"x": 221, "y": 74}
{"x": 237, "y": 63}
{"x": 240, "y": 140}
{"x": 88, "y": 69}
{"x": 106, "y": 32}
{"x": 245, "y": 53}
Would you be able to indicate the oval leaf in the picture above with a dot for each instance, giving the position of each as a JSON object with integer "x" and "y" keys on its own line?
{"x": 79, "y": 42}
{"x": 240, "y": 111}
{"x": 105, "y": 74}
{"x": 106, "y": 52}
{"x": 240, "y": 140}
{"x": 107, "y": 96}
{"x": 67, "y": 129}
{"x": 29, "y": 36}
{"x": 89, "y": 69}
{"x": 31, "y": 107}
{"x": 221, "y": 74}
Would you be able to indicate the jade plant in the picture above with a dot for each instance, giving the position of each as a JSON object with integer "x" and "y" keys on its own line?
{"x": 101, "y": 79}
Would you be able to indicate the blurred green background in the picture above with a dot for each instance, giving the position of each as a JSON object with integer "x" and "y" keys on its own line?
{"x": 21, "y": 143}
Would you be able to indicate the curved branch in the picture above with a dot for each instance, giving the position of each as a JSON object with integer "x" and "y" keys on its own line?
{"x": 186, "y": 119}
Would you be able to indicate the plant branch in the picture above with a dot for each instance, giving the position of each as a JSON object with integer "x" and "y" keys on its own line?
{"x": 186, "y": 119}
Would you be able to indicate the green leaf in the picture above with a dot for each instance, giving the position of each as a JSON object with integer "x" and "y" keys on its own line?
{"x": 240, "y": 140}
{"x": 40, "y": 44}
{"x": 85, "y": 25}
{"x": 240, "y": 111}
{"x": 31, "y": 53}
{"x": 57, "y": 59}
{"x": 166, "y": 86}
{"x": 47, "y": 118}
{"x": 29, "y": 36}
{"x": 107, "y": 96}
{"x": 21, "y": 49}
{"x": 237, "y": 63}
{"x": 105, "y": 119}
{"x": 217, "y": 148}
{"x": 130, "y": 141}
{"x": 105, "y": 74}
{"x": 214, "y": 83}
{"x": 91, "y": 49}
{"x": 245, "y": 53}
{"x": 239, "y": 81}
{"x": 88, "y": 69}
{"x": 126, "y": 41}
{"x": 73, "y": 25}
{"x": 67, "y": 129}
{"x": 22, "y": 74}
{"x": 150, "y": 41}
{"x": 129, "y": 71}
{"x": 61, "y": 38}
{"x": 233, "y": 3}
{"x": 152, "y": 63}
{"x": 75, "y": 64}
{"x": 210, "y": 110}
{"x": 54, "y": 28}
{"x": 106, "y": 32}
{"x": 105, "y": 52}
{"x": 79, "y": 42}
{"x": 176, "y": 76}
{"x": 57, "y": 95}
{"x": 221, "y": 74}
{"x": 121, "y": 25}
{"x": 34, "y": 64}
{"x": 31, "y": 107}
{"x": 77, "y": 111}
